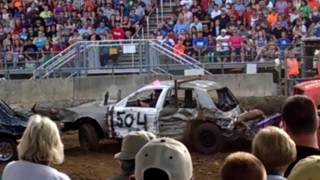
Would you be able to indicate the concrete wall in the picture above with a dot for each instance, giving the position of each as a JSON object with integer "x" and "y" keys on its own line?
{"x": 32, "y": 91}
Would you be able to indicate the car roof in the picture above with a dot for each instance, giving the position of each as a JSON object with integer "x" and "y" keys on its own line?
{"x": 195, "y": 84}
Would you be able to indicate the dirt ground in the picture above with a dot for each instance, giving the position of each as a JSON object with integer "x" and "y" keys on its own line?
{"x": 100, "y": 165}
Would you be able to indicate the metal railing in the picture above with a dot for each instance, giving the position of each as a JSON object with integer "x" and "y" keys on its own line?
{"x": 141, "y": 52}
{"x": 180, "y": 59}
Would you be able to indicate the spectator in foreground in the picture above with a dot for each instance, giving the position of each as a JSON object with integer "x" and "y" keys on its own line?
{"x": 306, "y": 169}
{"x": 301, "y": 123}
{"x": 242, "y": 165}
{"x": 130, "y": 146}
{"x": 163, "y": 158}
{"x": 275, "y": 149}
{"x": 39, "y": 147}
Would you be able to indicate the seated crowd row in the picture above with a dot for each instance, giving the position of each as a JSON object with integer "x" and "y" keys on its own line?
{"x": 277, "y": 153}
{"x": 242, "y": 29}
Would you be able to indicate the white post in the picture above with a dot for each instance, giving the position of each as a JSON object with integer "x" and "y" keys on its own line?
{"x": 157, "y": 16}
{"x": 148, "y": 27}
{"x": 161, "y": 6}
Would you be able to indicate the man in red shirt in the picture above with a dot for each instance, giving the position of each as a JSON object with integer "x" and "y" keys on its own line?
{"x": 247, "y": 16}
{"x": 236, "y": 43}
{"x": 118, "y": 32}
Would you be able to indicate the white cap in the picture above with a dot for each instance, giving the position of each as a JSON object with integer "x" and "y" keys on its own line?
{"x": 165, "y": 154}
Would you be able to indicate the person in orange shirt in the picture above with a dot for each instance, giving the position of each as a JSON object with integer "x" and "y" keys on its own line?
{"x": 292, "y": 69}
{"x": 179, "y": 48}
{"x": 272, "y": 17}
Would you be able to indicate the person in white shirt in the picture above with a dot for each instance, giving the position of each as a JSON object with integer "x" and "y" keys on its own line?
{"x": 39, "y": 147}
{"x": 187, "y": 3}
{"x": 222, "y": 47}
{"x": 187, "y": 14}
{"x": 215, "y": 11}
{"x": 196, "y": 23}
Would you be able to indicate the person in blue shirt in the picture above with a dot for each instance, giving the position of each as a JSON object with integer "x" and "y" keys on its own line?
{"x": 40, "y": 41}
{"x": 283, "y": 43}
{"x": 181, "y": 26}
{"x": 200, "y": 44}
{"x": 24, "y": 34}
{"x": 316, "y": 31}
{"x": 133, "y": 18}
{"x": 102, "y": 28}
{"x": 239, "y": 7}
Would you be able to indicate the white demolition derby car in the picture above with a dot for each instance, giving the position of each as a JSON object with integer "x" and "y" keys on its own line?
{"x": 200, "y": 113}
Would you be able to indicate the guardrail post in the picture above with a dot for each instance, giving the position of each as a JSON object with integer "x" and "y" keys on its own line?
{"x": 147, "y": 56}
{"x": 7, "y": 73}
{"x": 85, "y": 63}
{"x": 140, "y": 57}
{"x": 157, "y": 16}
{"x": 148, "y": 27}
{"x": 161, "y": 6}
{"x": 142, "y": 31}
{"x": 78, "y": 59}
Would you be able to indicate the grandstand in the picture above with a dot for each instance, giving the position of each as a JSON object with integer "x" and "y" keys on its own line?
{"x": 79, "y": 38}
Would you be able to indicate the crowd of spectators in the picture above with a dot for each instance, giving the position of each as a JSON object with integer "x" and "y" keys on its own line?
{"x": 229, "y": 30}
{"x": 30, "y": 29}
{"x": 289, "y": 151}
{"x": 234, "y": 30}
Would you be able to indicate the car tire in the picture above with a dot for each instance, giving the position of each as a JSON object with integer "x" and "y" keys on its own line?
{"x": 88, "y": 137}
{"x": 207, "y": 138}
{"x": 8, "y": 149}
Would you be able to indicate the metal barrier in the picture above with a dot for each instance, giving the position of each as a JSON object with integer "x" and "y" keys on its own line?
{"x": 145, "y": 56}
{"x": 96, "y": 55}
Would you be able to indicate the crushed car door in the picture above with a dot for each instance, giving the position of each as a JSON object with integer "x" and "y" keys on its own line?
{"x": 178, "y": 111}
{"x": 139, "y": 113}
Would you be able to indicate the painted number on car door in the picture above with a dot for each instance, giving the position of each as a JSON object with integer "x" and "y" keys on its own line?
{"x": 129, "y": 120}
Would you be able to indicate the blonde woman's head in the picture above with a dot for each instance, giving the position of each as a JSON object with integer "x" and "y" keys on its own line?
{"x": 41, "y": 141}
{"x": 274, "y": 148}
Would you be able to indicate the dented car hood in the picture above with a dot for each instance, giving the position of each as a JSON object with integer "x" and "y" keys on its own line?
{"x": 11, "y": 122}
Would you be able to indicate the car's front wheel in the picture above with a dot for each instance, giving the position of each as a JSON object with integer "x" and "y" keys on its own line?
{"x": 88, "y": 137}
{"x": 8, "y": 149}
{"x": 207, "y": 138}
